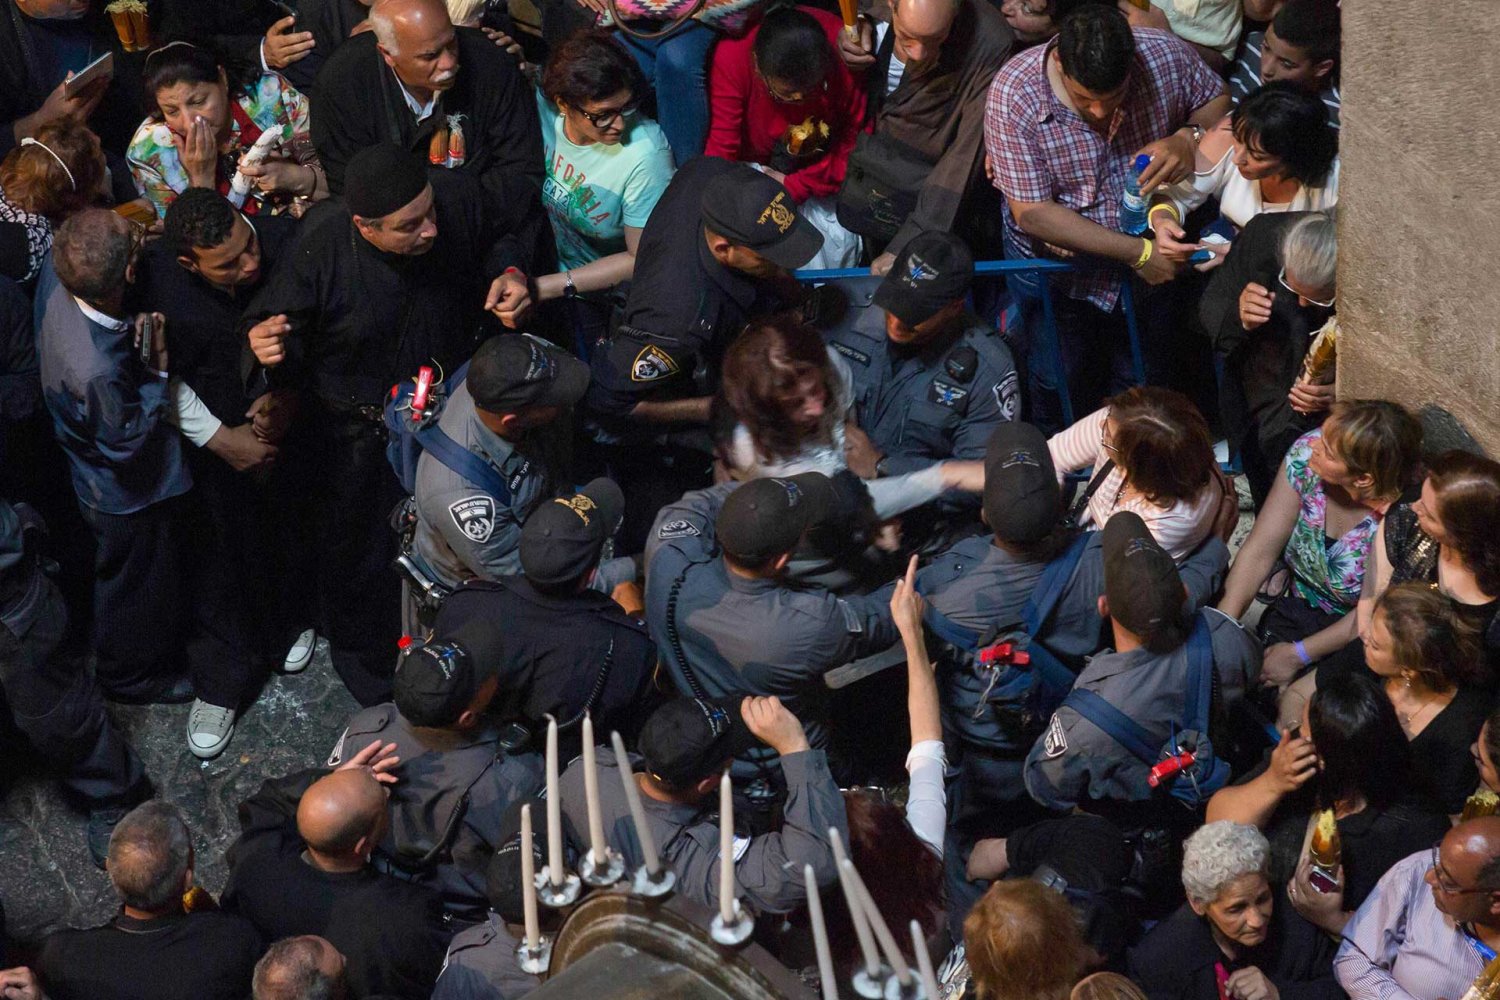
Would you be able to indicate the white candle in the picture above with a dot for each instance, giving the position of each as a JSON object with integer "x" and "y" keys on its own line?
{"x": 726, "y": 852}
{"x": 924, "y": 961}
{"x": 597, "y": 847}
{"x": 555, "y": 872}
{"x": 637, "y": 813}
{"x": 883, "y": 934}
{"x": 856, "y": 908}
{"x": 820, "y": 935}
{"x": 528, "y": 880}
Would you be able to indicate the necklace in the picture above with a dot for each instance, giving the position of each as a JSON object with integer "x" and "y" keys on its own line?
{"x": 1408, "y": 717}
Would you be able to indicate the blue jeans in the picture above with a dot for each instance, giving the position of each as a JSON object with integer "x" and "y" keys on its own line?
{"x": 677, "y": 68}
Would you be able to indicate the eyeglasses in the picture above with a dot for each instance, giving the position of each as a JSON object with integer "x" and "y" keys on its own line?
{"x": 1104, "y": 441}
{"x": 1444, "y": 881}
{"x": 607, "y": 117}
{"x": 1311, "y": 301}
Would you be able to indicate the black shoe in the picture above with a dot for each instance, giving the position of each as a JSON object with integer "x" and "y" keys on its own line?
{"x": 101, "y": 824}
{"x": 177, "y": 691}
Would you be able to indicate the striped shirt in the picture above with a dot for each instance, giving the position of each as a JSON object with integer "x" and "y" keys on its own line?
{"x": 1400, "y": 946}
{"x": 1245, "y": 77}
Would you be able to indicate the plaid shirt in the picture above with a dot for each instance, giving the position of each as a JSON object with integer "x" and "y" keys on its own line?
{"x": 1041, "y": 150}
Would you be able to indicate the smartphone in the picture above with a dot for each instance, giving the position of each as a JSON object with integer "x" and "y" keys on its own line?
{"x": 148, "y": 339}
{"x": 1200, "y": 256}
{"x": 100, "y": 69}
{"x": 1321, "y": 881}
{"x": 285, "y": 9}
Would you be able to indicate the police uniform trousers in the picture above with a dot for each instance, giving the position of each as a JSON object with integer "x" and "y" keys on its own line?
{"x": 58, "y": 707}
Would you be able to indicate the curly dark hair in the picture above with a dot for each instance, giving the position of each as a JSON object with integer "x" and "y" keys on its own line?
{"x": 1096, "y": 47}
{"x": 198, "y": 217}
{"x": 590, "y": 66}
{"x": 1468, "y": 491}
{"x": 1290, "y": 124}
{"x": 762, "y": 368}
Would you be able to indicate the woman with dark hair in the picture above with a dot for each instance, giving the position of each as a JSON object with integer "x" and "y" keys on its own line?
{"x": 43, "y": 180}
{"x": 1347, "y": 754}
{"x": 1319, "y": 520}
{"x": 1427, "y": 656}
{"x": 1151, "y": 453}
{"x": 207, "y": 117}
{"x": 1273, "y": 153}
{"x": 781, "y": 98}
{"x": 606, "y": 167}
{"x": 789, "y": 398}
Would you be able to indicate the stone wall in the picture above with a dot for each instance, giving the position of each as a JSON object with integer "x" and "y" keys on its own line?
{"x": 1419, "y": 230}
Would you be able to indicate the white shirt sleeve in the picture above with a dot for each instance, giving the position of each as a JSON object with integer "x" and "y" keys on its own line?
{"x": 927, "y": 802}
{"x": 191, "y": 415}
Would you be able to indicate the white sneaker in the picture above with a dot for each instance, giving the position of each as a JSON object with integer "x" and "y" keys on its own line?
{"x": 301, "y": 653}
{"x": 209, "y": 729}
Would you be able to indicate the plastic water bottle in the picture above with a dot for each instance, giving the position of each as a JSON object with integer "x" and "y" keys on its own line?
{"x": 1133, "y": 205}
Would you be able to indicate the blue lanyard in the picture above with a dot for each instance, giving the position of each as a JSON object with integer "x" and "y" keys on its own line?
{"x": 1485, "y": 951}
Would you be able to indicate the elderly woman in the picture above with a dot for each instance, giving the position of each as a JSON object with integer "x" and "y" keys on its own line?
{"x": 1231, "y": 938}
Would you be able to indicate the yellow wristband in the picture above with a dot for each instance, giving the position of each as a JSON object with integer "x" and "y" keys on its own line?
{"x": 1146, "y": 248}
{"x": 1165, "y": 206}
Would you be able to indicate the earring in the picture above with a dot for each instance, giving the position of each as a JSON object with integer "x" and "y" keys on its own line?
{"x": 1406, "y": 676}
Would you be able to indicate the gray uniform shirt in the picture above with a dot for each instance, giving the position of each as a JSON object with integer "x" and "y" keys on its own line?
{"x": 463, "y": 531}
{"x": 481, "y": 965}
{"x": 1074, "y": 761}
{"x": 767, "y": 869}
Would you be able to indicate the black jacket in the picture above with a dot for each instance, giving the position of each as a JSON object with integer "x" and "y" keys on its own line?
{"x": 185, "y": 956}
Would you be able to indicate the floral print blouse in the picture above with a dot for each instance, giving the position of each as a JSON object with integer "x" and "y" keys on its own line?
{"x": 1327, "y": 575}
{"x": 270, "y": 102}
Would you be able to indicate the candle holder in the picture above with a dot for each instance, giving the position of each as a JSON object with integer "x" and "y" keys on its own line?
{"x": 734, "y": 934}
{"x": 601, "y": 876}
{"x": 873, "y": 986}
{"x": 557, "y": 896}
{"x": 911, "y": 991}
{"x": 535, "y": 960}
{"x": 643, "y": 883}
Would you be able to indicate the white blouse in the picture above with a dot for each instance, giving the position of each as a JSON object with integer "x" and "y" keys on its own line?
{"x": 1240, "y": 200}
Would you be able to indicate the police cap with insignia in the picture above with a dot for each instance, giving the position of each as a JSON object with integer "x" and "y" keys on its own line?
{"x": 1022, "y": 500}
{"x": 689, "y": 739}
{"x": 751, "y": 210}
{"x": 765, "y": 518}
{"x": 935, "y": 270}
{"x": 562, "y": 539}
{"x": 437, "y": 679}
{"x": 1141, "y": 583}
{"x": 511, "y": 371}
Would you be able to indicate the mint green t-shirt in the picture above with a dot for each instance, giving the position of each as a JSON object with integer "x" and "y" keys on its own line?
{"x": 593, "y": 192}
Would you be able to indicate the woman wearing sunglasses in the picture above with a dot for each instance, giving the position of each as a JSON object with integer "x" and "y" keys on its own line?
{"x": 606, "y": 167}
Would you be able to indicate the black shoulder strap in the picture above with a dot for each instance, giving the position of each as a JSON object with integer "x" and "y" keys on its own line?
{"x": 1079, "y": 505}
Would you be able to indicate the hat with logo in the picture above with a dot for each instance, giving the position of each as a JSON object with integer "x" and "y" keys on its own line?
{"x": 688, "y": 739}
{"x": 562, "y": 538}
{"x": 515, "y": 370}
{"x": 751, "y": 210}
{"x": 766, "y": 517}
{"x": 1022, "y": 499}
{"x": 935, "y": 269}
{"x": 1145, "y": 593}
{"x": 436, "y": 680}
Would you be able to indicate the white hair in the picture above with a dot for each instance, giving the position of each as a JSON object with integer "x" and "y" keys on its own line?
{"x": 1217, "y": 854}
{"x": 464, "y": 11}
{"x": 1310, "y": 251}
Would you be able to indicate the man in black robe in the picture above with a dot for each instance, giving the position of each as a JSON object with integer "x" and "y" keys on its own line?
{"x": 261, "y": 33}
{"x": 395, "y": 275}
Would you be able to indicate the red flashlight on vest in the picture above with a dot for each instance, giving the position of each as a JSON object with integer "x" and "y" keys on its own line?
{"x": 1172, "y": 765}
{"x": 423, "y": 390}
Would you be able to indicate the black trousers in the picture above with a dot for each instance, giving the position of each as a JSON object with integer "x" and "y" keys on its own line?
{"x": 359, "y": 595}
{"x": 58, "y": 707}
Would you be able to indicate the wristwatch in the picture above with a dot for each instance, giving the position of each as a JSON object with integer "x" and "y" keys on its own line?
{"x": 568, "y": 290}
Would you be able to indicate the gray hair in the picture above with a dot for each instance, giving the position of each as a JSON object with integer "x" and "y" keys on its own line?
{"x": 1310, "y": 251}
{"x": 289, "y": 971}
{"x": 384, "y": 26}
{"x": 464, "y": 11}
{"x": 1217, "y": 854}
{"x": 150, "y": 853}
{"x": 91, "y": 253}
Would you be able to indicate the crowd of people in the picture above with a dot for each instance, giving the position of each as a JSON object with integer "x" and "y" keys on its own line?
{"x": 484, "y": 357}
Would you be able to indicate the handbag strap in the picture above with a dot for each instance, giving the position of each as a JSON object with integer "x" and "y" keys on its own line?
{"x": 1079, "y": 505}
{"x": 672, "y": 25}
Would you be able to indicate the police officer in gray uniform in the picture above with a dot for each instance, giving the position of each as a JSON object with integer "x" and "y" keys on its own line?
{"x": 457, "y": 779}
{"x": 931, "y": 379}
{"x": 1147, "y": 679}
{"x": 684, "y": 747}
{"x": 719, "y": 608}
{"x": 511, "y": 411}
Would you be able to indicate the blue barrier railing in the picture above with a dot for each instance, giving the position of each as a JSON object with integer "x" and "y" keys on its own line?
{"x": 992, "y": 268}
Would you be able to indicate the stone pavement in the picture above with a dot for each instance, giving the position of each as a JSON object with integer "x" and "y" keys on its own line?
{"x": 48, "y": 881}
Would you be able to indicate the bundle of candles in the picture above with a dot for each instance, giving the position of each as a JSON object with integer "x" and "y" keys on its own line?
{"x": 883, "y": 973}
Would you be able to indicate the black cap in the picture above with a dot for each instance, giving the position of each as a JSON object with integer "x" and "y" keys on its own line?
{"x": 382, "y": 178}
{"x": 502, "y": 876}
{"x": 935, "y": 269}
{"x": 766, "y": 517}
{"x": 1145, "y": 593}
{"x": 435, "y": 681}
{"x": 689, "y": 739}
{"x": 515, "y": 370}
{"x": 561, "y": 540}
{"x": 751, "y": 210}
{"x": 1022, "y": 499}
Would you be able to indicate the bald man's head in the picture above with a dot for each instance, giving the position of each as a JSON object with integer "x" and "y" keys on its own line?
{"x": 343, "y": 814}
{"x": 1465, "y": 875}
{"x": 921, "y": 27}
{"x": 418, "y": 42}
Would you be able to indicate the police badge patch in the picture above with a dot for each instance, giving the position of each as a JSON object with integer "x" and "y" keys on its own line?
{"x": 945, "y": 394}
{"x": 1056, "y": 741}
{"x": 677, "y": 529}
{"x": 1008, "y": 396}
{"x": 475, "y": 517}
{"x": 651, "y": 364}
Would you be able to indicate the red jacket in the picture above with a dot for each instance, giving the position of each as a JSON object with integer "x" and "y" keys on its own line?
{"x": 746, "y": 124}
